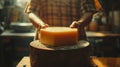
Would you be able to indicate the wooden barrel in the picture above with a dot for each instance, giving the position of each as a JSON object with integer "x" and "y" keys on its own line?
{"x": 67, "y": 56}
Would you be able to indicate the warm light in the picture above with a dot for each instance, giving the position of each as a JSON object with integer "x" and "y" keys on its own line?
{"x": 98, "y": 62}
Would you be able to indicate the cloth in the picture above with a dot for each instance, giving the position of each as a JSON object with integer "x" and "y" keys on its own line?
{"x": 60, "y": 12}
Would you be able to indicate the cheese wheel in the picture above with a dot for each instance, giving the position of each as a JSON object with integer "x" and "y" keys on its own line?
{"x": 58, "y": 36}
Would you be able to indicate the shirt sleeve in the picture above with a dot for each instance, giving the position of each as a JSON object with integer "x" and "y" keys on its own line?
{"x": 31, "y": 6}
{"x": 89, "y": 6}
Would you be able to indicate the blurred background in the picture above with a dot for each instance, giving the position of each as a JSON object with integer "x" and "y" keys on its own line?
{"x": 103, "y": 32}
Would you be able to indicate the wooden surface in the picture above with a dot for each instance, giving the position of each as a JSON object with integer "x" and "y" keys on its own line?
{"x": 99, "y": 61}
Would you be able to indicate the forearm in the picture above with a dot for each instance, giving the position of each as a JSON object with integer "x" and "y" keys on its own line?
{"x": 85, "y": 19}
{"x": 82, "y": 22}
{"x": 35, "y": 20}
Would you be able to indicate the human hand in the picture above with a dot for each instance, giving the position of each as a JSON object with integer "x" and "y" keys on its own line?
{"x": 44, "y": 26}
{"x": 81, "y": 31}
{"x": 74, "y": 24}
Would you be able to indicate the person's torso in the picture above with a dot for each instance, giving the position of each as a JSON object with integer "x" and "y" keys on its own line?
{"x": 59, "y": 12}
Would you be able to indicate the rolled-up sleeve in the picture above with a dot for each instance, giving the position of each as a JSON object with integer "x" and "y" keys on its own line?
{"x": 88, "y": 6}
{"x": 31, "y": 6}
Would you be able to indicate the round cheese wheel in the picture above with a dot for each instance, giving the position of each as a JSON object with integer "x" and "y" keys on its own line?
{"x": 58, "y": 36}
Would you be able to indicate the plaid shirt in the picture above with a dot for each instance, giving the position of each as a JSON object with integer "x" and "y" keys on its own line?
{"x": 60, "y": 12}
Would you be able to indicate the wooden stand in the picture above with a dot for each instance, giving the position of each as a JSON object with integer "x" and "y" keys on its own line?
{"x": 45, "y": 56}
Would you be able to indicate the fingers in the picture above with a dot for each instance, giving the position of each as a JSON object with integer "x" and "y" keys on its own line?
{"x": 44, "y": 26}
{"x": 74, "y": 24}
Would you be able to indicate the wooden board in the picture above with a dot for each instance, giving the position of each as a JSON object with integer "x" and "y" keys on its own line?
{"x": 99, "y": 61}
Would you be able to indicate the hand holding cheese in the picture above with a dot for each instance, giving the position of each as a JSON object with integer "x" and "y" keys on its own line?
{"x": 58, "y": 36}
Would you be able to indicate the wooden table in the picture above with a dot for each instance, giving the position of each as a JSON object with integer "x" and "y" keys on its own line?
{"x": 99, "y": 61}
